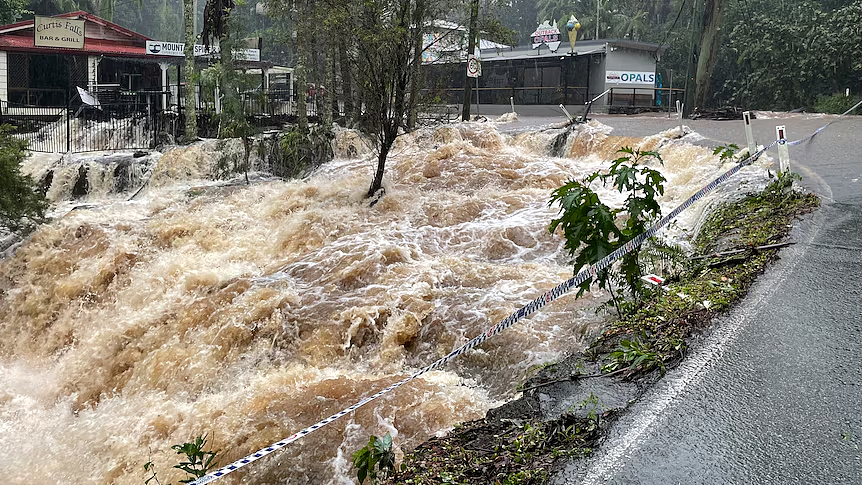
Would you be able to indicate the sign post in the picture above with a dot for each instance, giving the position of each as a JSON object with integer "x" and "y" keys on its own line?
{"x": 474, "y": 66}
{"x": 474, "y": 69}
{"x": 783, "y": 152}
{"x": 749, "y": 134}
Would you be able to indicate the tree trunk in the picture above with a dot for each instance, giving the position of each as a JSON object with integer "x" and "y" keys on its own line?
{"x": 301, "y": 84}
{"x": 471, "y": 46}
{"x": 414, "y": 80}
{"x": 191, "y": 109}
{"x": 377, "y": 183}
{"x": 231, "y": 105}
{"x": 329, "y": 93}
{"x": 346, "y": 81}
{"x": 708, "y": 53}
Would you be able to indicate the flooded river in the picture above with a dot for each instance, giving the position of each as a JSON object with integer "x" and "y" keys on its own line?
{"x": 249, "y": 312}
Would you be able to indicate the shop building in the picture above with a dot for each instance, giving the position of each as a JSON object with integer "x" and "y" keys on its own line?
{"x": 554, "y": 73}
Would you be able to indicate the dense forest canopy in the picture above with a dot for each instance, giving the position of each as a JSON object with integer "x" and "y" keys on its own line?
{"x": 771, "y": 54}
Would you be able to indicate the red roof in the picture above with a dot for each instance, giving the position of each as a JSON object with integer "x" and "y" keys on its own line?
{"x": 134, "y": 45}
{"x": 91, "y": 46}
{"x": 105, "y": 23}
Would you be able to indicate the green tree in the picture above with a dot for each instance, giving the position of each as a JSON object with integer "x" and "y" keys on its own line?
{"x": 12, "y": 10}
{"x": 21, "y": 205}
{"x": 217, "y": 27}
{"x": 385, "y": 33}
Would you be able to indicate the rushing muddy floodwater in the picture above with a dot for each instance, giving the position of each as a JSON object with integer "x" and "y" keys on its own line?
{"x": 250, "y": 312}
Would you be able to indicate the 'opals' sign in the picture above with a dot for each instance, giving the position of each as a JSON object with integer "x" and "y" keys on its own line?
{"x": 630, "y": 77}
{"x": 58, "y": 32}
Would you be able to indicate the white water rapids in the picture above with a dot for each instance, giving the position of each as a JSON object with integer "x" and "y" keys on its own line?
{"x": 250, "y": 312}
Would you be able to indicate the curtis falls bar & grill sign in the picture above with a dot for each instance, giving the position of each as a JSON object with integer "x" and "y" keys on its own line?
{"x": 58, "y": 32}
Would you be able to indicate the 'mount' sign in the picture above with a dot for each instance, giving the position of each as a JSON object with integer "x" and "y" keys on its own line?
{"x": 177, "y": 49}
{"x": 58, "y": 32}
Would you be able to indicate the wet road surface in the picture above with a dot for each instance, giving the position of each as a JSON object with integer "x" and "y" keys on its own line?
{"x": 775, "y": 394}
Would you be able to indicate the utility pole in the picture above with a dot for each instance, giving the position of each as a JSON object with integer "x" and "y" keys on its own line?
{"x": 598, "y": 7}
{"x": 708, "y": 15}
{"x": 471, "y": 46}
{"x": 709, "y": 40}
{"x": 691, "y": 65}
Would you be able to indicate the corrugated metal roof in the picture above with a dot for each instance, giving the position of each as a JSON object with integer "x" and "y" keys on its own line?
{"x": 582, "y": 48}
{"x": 80, "y": 14}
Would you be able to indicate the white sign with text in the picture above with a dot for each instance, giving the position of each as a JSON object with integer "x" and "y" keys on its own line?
{"x": 177, "y": 49}
{"x": 630, "y": 77}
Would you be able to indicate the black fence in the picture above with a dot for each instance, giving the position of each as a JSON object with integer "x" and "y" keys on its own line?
{"x": 86, "y": 128}
{"x": 137, "y": 120}
{"x": 553, "y": 95}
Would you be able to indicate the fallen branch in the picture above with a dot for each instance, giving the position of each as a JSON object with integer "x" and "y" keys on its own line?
{"x": 737, "y": 251}
{"x": 574, "y": 377}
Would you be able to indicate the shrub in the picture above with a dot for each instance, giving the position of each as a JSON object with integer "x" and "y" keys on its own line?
{"x": 836, "y": 103}
{"x": 198, "y": 462}
{"x": 22, "y": 206}
{"x": 593, "y": 230}
{"x": 375, "y": 460}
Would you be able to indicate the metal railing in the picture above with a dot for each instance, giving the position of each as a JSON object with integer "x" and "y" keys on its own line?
{"x": 530, "y": 95}
{"x": 38, "y": 97}
{"x": 137, "y": 120}
{"x": 645, "y": 97}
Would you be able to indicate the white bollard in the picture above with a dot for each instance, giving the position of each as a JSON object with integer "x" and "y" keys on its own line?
{"x": 679, "y": 108}
{"x": 749, "y": 134}
{"x": 512, "y": 100}
{"x": 783, "y": 152}
{"x": 569, "y": 116}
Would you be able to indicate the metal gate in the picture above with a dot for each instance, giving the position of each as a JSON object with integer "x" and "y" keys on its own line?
{"x": 62, "y": 129}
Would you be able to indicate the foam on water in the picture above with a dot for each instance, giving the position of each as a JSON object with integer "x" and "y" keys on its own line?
{"x": 250, "y": 312}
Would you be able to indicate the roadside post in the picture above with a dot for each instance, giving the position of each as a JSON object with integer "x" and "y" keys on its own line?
{"x": 783, "y": 151}
{"x": 474, "y": 70}
{"x": 679, "y": 117}
{"x": 566, "y": 112}
{"x": 512, "y": 101}
{"x": 749, "y": 134}
{"x": 670, "y": 94}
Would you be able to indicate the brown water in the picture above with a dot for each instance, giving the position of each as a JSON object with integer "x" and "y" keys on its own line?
{"x": 249, "y": 313}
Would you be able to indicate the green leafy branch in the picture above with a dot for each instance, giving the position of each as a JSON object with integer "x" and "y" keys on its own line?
{"x": 198, "y": 462}
{"x": 593, "y": 229}
{"x": 375, "y": 460}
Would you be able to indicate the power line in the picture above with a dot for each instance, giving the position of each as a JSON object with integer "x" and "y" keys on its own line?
{"x": 667, "y": 35}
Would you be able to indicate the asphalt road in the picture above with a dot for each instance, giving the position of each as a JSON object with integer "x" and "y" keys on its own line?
{"x": 775, "y": 394}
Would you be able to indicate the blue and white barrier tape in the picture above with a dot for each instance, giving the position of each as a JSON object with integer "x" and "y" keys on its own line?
{"x": 524, "y": 312}
{"x": 818, "y": 130}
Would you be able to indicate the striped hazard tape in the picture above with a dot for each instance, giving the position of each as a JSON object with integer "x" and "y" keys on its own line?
{"x": 524, "y": 312}
{"x": 818, "y": 130}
